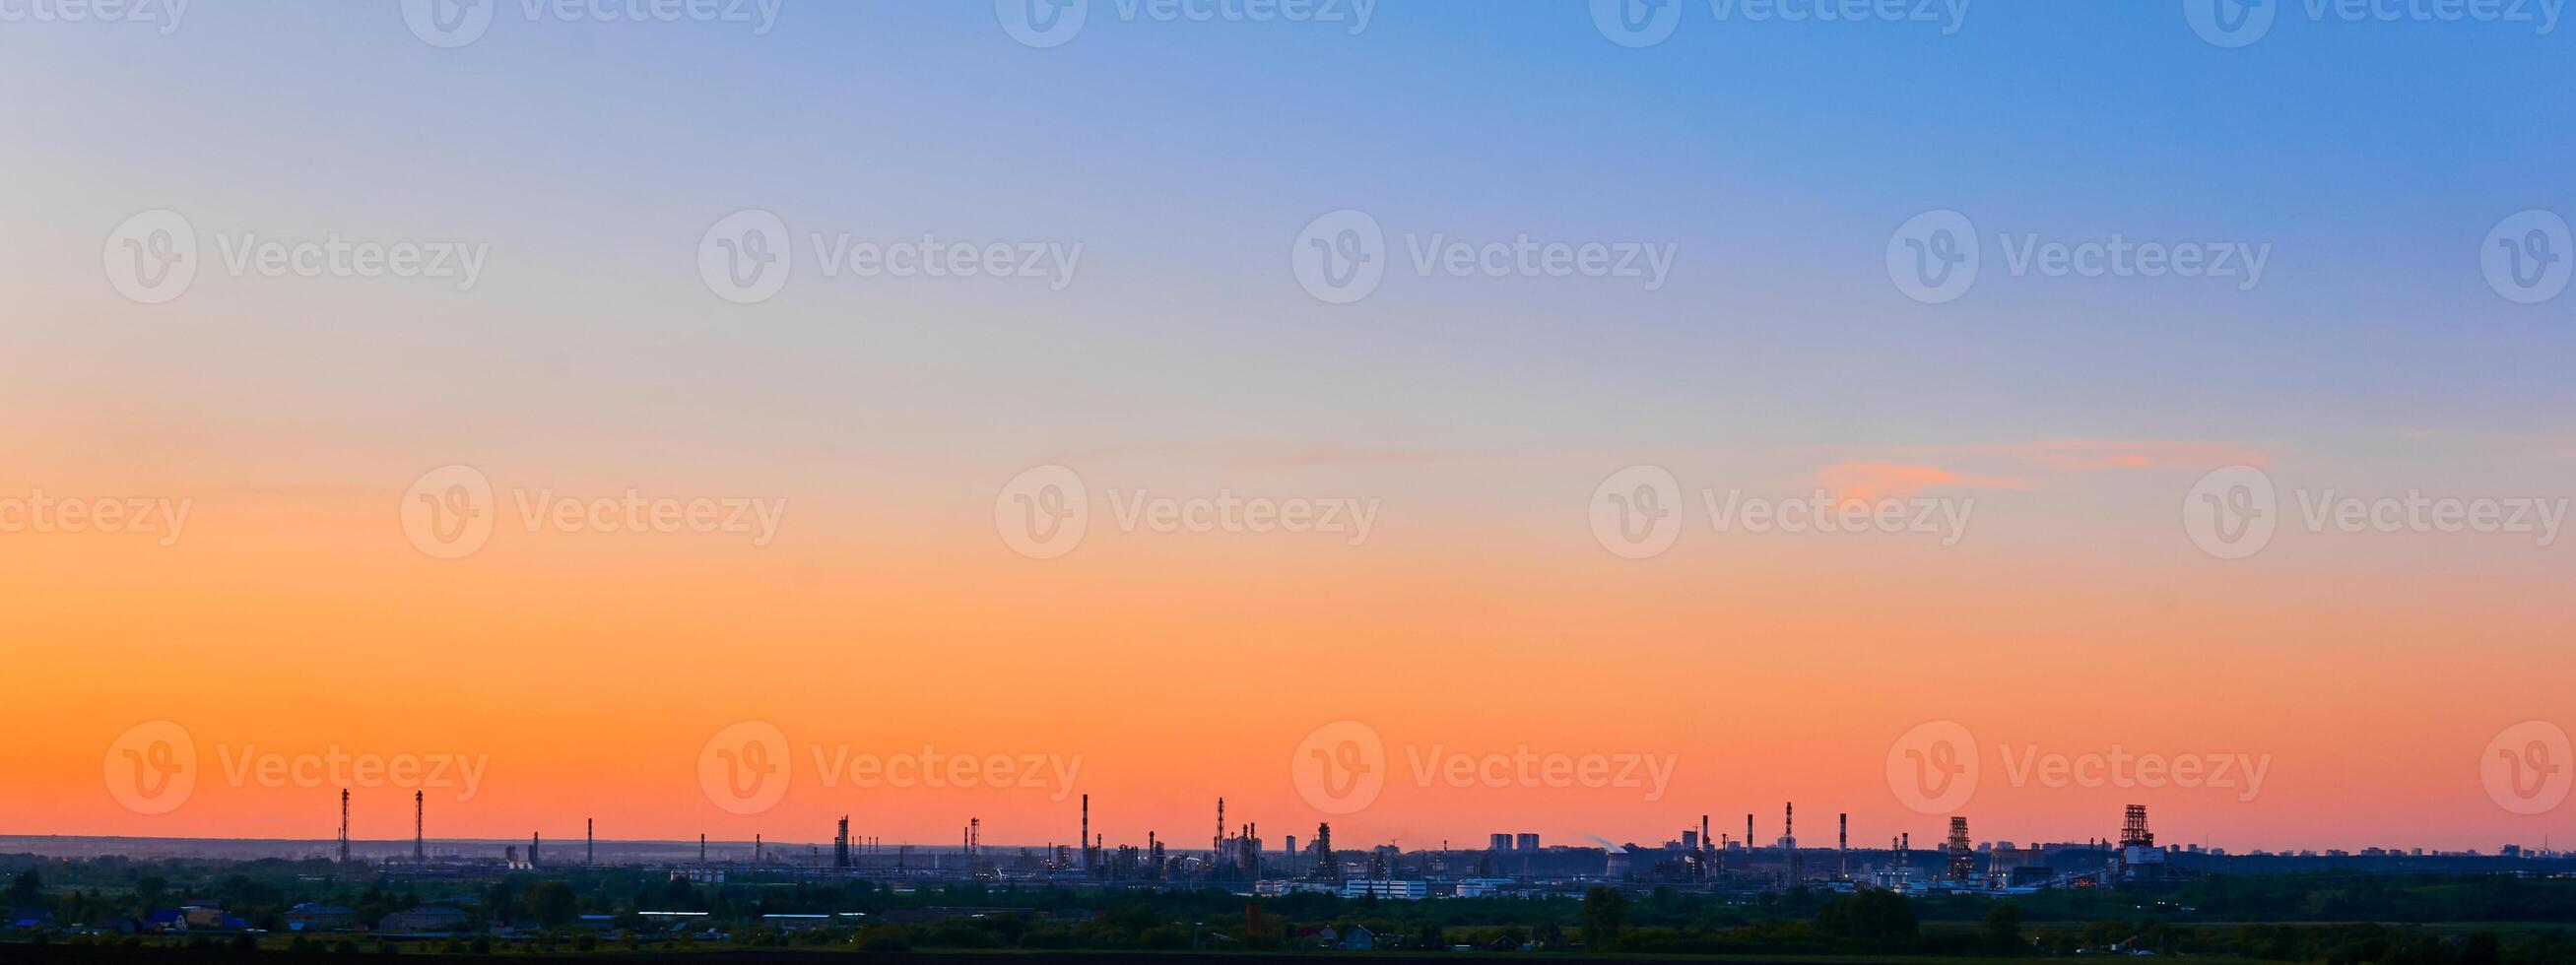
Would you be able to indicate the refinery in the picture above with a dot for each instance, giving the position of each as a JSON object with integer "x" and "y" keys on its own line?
{"x": 1239, "y": 857}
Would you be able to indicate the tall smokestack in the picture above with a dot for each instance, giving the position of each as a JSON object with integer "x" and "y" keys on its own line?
{"x": 1789, "y": 839}
{"x": 702, "y": 847}
{"x": 1085, "y": 841}
{"x": 590, "y": 841}
{"x": 533, "y": 840}
{"x": 419, "y": 843}
{"x": 1748, "y": 833}
{"x": 344, "y": 825}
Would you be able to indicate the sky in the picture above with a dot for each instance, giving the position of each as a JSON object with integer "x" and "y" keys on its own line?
{"x": 1363, "y": 548}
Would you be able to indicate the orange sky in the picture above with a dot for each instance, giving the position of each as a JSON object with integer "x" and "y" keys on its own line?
{"x": 586, "y": 672}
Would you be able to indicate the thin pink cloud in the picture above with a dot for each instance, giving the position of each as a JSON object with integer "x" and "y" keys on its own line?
{"x": 1861, "y": 481}
{"x": 2091, "y": 455}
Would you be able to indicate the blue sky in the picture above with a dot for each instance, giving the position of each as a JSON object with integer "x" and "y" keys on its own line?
{"x": 1775, "y": 156}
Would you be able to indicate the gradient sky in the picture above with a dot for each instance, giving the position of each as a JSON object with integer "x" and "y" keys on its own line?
{"x": 1481, "y": 615}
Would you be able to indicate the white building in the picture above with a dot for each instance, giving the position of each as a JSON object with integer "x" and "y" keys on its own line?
{"x": 1387, "y": 889}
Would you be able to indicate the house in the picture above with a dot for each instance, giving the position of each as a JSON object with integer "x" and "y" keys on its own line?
{"x": 309, "y": 917}
{"x": 31, "y": 918}
{"x": 166, "y": 919}
{"x": 425, "y": 920}
{"x": 1356, "y": 939}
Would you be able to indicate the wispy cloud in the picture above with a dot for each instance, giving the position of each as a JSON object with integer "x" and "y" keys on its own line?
{"x": 1258, "y": 455}
{"x": 2091, "y": 455}
{"x": 1860, "y": 481}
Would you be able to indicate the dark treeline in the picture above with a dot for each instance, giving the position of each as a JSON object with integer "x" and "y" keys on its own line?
{"x": 2331, "y": 918}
